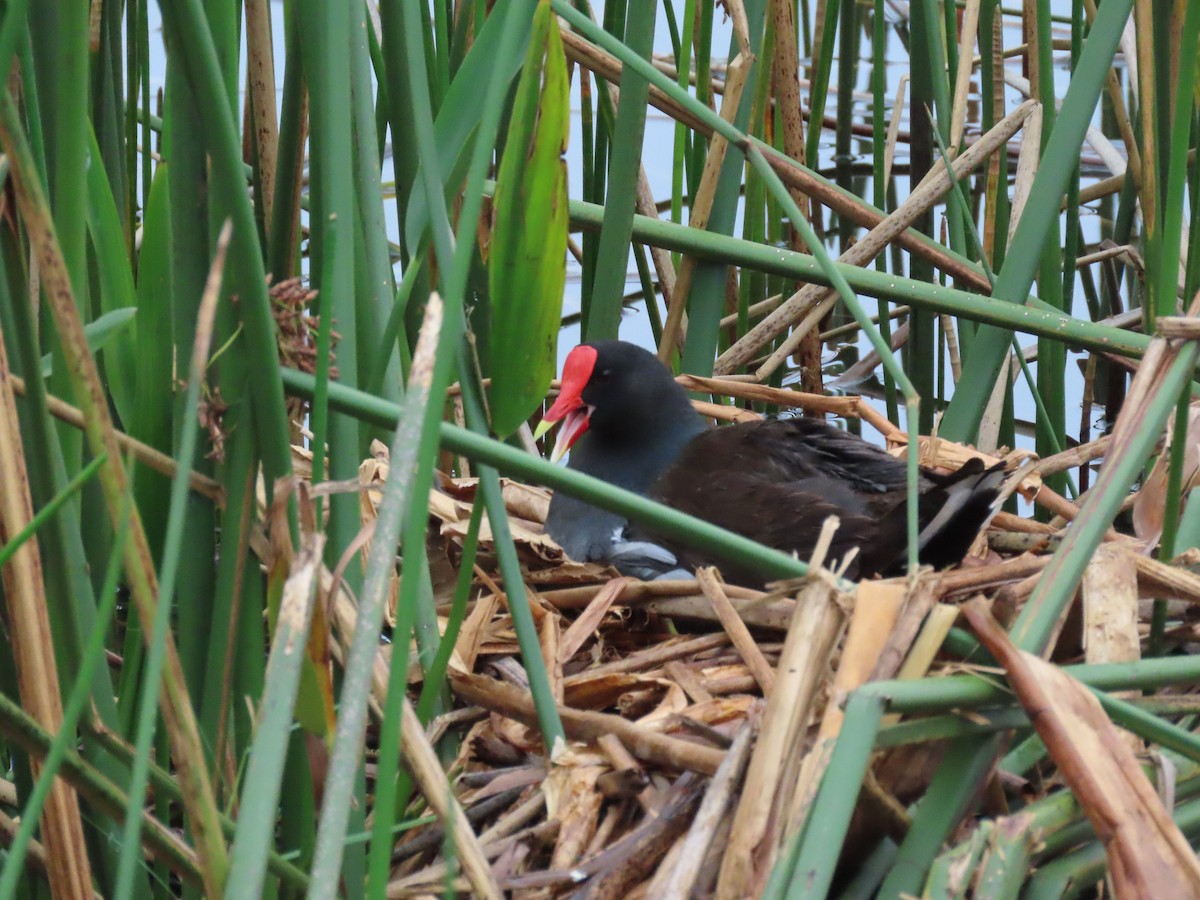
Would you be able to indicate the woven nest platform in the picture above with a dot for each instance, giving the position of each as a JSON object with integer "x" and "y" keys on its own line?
{"x": 702, "y": 717}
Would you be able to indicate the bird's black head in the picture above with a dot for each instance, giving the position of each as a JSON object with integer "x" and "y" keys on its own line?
{"x": 619, "y": 392}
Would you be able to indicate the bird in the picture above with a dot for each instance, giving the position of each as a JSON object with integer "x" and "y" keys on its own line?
{"x": 625, "y": 420}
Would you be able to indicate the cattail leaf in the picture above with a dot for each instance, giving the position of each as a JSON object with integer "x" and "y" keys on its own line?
{"x": 527, "y": 267}
{"x": 117, "y": 293}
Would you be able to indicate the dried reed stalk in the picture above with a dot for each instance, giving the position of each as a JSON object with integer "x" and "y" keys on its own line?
{"x": 816, "y": 623}
{"x": 588, "y": 726}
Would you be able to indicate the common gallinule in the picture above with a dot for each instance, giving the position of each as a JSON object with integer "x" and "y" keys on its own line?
{"x": 626, "y": 421}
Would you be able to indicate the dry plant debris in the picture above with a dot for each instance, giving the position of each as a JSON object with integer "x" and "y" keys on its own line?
{"x": 702, "y": 716}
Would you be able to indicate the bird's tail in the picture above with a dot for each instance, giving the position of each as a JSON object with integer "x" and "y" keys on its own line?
{"x": 954, "y": 512}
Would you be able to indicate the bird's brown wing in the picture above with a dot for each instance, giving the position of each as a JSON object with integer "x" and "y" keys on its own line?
{"x": 795, "y": 449}
{"x": 786, "y": 515}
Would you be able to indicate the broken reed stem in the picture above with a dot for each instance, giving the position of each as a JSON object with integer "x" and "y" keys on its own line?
{"x": 143, "y": 453}
{"x": 739, "y": 635}
{"x": 790, "y": 172}
{"x": 735, "y": 77}
{"x": 652, "y": 657}
{"x": 773, "y": 614}
{"x": 876, "y": 609}
{"x": 427, "y": 772}
{"x": 817, "y": 297}
{"x": 637, "y": 591}
{"x": 721, "y": 790}
{"x": 643, "y": 743}
{"x": 812, "y": 636}
{"x": 419, "y": 883}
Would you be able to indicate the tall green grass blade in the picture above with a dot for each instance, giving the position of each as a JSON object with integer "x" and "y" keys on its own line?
{"x": 398, "y": 494}
{"x": 1164, "y": 283}
{"x": 436, "y": 672}
{"x": 374, "y": 284}
{"x": 260, "y": 798}
{"x": 823, "y": 62}
{"x": 441, "y": 58}
{"x": 704, "y": 92}
{"x": 1031, "y": 319}
{"x": 284, "y": 229}
{"x": 327, "y": 62}
{"x": 488, "y": 60}
{"x": 404, "y": 154}
{"x": 189, "y": 37}
{"x": 752, "y": 284}
{"x": 683, "y": 63}
{"x": 592, "y": 150}
{"x": 612, "y": 259}
{"x": 235, "y": 614}
{"x": 922, "y": 352}
{"x": 706, "y": 304}
{"x": 151, "y": 421}
{"x": 117, "y": 293}
{"x": 1051, "y": 430}
{"x": 108, "y": 108}
{"x": 1164, "y": 288}
{"x": 59, "y": 43}
{"x": 847, "y": 77}
{"x": 100, "y": 333}
{"x": 393, "y": 785}
{"x": 172, "y": 553}
{"x": 962, "y": 416}
{"x": 514, "y": 26}
{"x": 878, "y": 183}
{"x": 142, "y": 27}
{"x": 527, "y": 268}
{"x": 510, "y": 572}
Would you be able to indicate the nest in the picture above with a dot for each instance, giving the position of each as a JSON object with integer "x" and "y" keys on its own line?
{"x": 701, "y": 717}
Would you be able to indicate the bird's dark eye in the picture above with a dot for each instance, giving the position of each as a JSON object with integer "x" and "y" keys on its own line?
{"x": 603, "y": 375}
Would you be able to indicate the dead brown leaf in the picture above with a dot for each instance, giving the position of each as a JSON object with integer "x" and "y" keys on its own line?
{"x": 1148, "y": 856}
